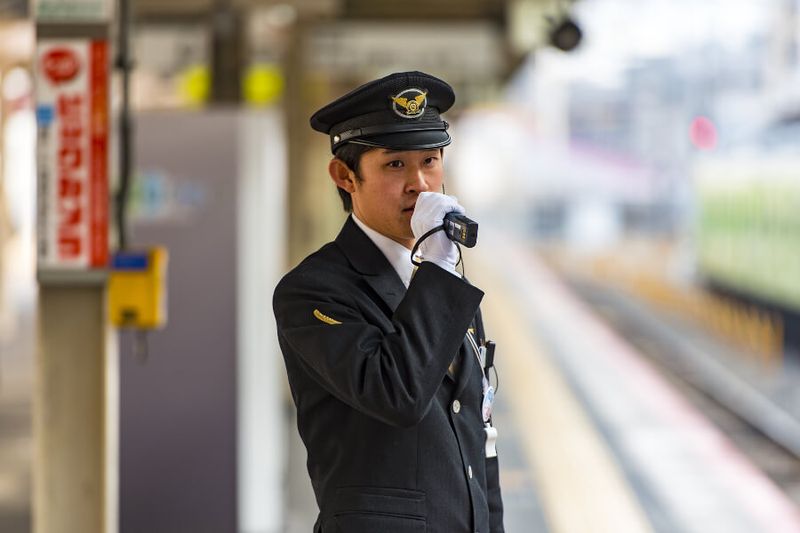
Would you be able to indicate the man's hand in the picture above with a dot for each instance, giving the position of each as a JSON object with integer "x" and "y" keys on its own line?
{"x": 429, "y": 212}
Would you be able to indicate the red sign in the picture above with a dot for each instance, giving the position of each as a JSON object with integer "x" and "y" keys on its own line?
{"x": 60, "y": 65}
{"x": 72, "y": 105}
{"x": 98, "y": 137}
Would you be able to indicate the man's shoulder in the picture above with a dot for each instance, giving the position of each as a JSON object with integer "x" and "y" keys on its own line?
{"x": 323, "y": 267}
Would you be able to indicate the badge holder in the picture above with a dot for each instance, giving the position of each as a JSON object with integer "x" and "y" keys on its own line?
{"x": 485, "y": 355}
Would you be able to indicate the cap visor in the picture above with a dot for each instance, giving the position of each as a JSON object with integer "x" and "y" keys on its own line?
{"x": 409, "y": 140}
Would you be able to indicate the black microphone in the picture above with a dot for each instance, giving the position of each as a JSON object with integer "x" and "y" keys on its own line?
{"x": 461, "y": 229}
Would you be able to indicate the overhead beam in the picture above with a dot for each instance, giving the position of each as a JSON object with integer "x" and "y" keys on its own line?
{"x": 194, "y": 9}
{"x": 425, "y": 10}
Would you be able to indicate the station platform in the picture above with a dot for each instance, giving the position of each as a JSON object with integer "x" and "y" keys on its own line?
{"x": 592, "y": 437}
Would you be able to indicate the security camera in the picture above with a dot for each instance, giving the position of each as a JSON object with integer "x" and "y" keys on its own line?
{"x": 565, "y": 34}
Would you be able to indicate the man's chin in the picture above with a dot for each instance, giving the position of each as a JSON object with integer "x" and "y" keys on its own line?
{"x": 406, "y": 237}
{"x": 408, "y": 234}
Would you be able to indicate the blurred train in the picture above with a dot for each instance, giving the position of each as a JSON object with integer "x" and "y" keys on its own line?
{"x": 748, "y": 222}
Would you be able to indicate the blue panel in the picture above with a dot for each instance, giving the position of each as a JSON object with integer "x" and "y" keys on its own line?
{"x": 44, "y": 115}
{"x": 130, "y": 261}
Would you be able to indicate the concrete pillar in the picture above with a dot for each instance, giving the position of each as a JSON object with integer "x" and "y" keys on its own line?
{"x": 75, "y": 414}
{"x": 300, "y": 223}
{"x": 226, "y": 53}
{"x": 76, "y": 408}
{"x": 315, "y": 212}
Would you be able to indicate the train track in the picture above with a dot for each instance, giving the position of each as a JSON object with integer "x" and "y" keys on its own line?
{"x": 781, "y": 466}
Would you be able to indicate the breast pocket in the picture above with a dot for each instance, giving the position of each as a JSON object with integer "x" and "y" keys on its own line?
{"x": 380, "y": 510}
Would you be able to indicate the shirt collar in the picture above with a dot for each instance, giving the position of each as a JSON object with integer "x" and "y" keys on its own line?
{"x": 398, "y": 255}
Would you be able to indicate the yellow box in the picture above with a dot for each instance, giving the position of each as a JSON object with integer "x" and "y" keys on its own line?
{"x": 137, "y": 296}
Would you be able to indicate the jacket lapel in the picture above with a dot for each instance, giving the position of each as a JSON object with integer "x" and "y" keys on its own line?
{"x": 369, "y": 261}
{"x": 465, "y": 368}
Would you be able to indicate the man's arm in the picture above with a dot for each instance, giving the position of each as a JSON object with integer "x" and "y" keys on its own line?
{"x": 392, "y": 377}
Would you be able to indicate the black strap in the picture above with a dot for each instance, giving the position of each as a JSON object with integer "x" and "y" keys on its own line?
{"x": 419, "y": 241}
{"x": 388, "y": 128}
{"x": 479, "y": 328}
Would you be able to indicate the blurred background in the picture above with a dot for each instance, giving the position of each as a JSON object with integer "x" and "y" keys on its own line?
{"x": 635, "y": 169}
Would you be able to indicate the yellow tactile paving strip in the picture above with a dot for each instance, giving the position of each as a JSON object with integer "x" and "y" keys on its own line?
{"x": 580, "y": 486}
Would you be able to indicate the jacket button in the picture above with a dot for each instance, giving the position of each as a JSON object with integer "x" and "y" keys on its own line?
{"x": 456, "y": 406}
{"x": 469, "y": 471}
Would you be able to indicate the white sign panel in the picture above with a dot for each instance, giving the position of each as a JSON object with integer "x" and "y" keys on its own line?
{"x": 72, "y": 116}
{"x": 71, "y": 11}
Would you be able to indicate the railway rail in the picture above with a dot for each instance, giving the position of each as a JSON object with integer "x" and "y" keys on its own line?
{"x": 779, "y": 464}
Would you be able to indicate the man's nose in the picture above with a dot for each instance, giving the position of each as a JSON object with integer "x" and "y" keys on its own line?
{"x": 418, "y": 181}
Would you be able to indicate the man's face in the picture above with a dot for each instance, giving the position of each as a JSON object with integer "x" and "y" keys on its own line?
{"x": 390, "y": 183}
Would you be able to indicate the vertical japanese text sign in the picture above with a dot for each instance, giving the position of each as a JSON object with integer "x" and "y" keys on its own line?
{"x": 72, "y": 116}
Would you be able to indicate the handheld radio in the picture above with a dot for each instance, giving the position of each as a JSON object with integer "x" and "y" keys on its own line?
{"x": 461, "y": 229}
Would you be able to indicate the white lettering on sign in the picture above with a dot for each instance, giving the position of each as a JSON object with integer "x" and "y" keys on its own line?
{"x": 71, "y": 176}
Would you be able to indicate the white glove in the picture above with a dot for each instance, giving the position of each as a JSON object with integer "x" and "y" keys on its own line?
{"x": 429, "y": 212}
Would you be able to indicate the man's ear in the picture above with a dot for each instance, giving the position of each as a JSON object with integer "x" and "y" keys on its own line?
{"x": 341, "y": 175}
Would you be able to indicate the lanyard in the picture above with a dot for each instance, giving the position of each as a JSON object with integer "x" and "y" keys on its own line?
{"x": 478, "y": 352}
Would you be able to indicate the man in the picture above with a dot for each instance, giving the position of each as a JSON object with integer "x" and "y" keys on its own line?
{"x": 386, "y": 364}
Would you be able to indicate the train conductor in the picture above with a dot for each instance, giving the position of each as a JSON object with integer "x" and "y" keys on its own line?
{"x": 387, "y": 362}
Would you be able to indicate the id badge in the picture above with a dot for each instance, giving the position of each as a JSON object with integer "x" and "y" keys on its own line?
{"x": 488, "y": 400}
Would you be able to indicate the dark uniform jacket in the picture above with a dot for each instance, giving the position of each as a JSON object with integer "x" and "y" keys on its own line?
{"x": 395, "y": 441}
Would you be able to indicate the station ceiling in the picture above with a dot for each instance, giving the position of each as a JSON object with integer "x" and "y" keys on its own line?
{"x": 515, "y": 26}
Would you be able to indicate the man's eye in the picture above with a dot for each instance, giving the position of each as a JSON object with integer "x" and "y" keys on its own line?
{"x": 431, "y": 160}
{"x": 395, "y": 164}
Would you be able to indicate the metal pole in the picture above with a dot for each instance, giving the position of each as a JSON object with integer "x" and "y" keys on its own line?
{"x": 126, "y": 156}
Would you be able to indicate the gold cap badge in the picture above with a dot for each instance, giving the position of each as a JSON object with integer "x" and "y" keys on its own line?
{"x": 410, "y": 103}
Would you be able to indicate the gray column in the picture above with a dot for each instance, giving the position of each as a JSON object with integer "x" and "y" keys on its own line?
{"x": 75, "y": 414}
